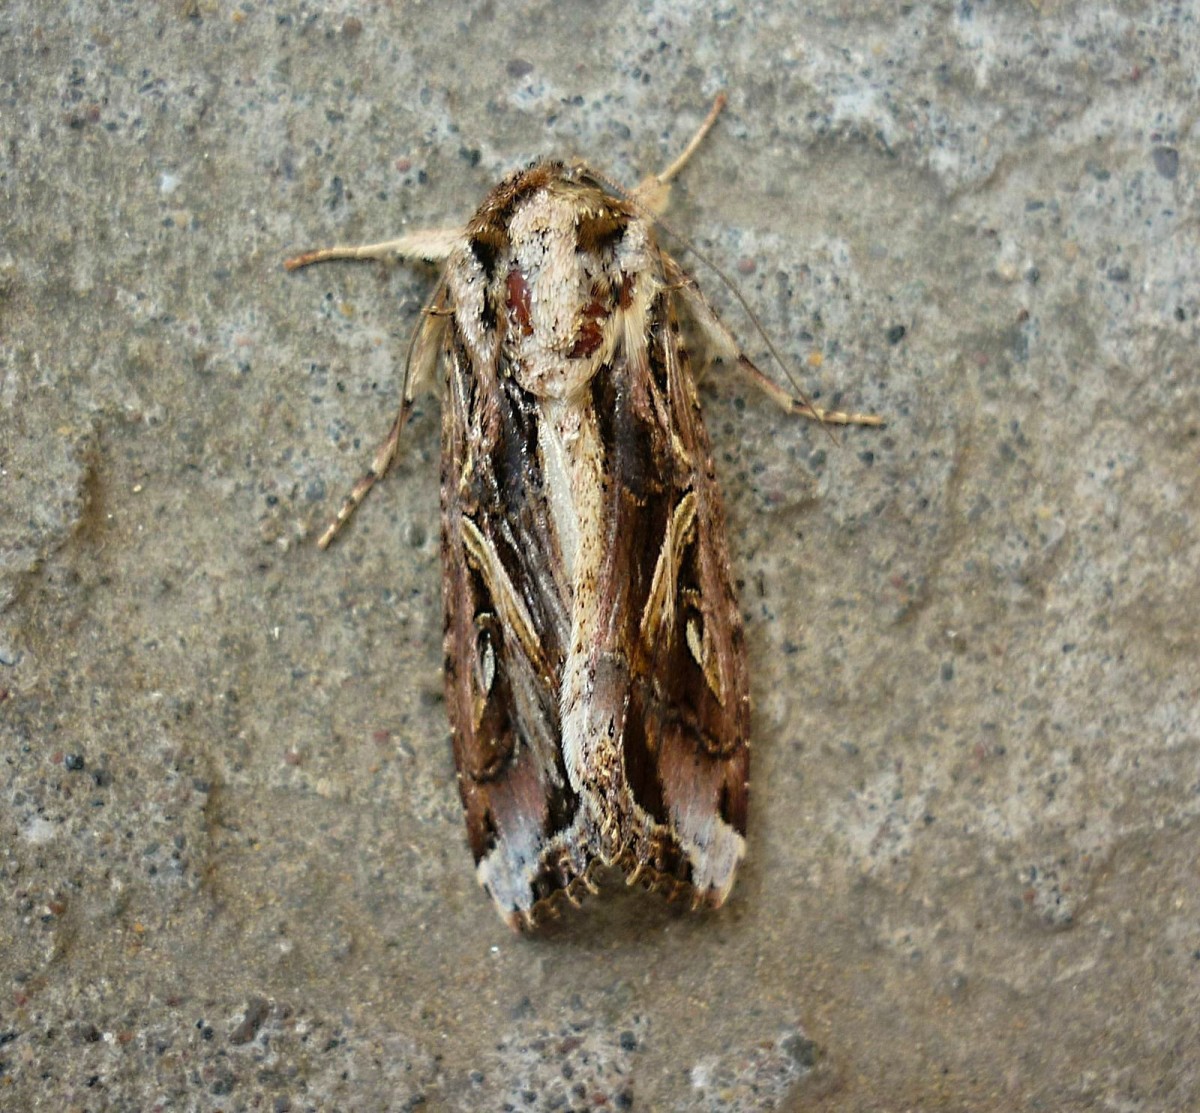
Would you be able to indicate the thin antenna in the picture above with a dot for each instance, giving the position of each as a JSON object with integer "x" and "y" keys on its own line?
{"x": 670, "y": 172}
{"x": 650, "y": 198}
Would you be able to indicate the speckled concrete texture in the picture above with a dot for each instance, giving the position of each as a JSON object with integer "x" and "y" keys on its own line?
{"x": 233, "y": 872}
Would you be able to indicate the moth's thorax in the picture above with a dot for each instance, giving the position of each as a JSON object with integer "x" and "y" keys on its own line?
{"x": 549, "y": 260}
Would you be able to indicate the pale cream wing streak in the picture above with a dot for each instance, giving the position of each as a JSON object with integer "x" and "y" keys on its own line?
{"x": 512, "y": 611}
{"x": 701, "y": 647}
{"x": 659, "y": 612}
{"x": 550, "y": 585}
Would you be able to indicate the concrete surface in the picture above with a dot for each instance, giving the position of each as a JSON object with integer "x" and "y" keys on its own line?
{"x": 233, "y": 872}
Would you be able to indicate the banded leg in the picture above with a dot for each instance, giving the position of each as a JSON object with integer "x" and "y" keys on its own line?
{"x": 432, "y": 245}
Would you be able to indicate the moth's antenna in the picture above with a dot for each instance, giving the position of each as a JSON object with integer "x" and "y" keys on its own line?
{"x": 650, "y": 198}
{"x": 719, "y": 103}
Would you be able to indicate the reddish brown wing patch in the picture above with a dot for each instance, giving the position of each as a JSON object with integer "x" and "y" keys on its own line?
{"x": 520, "y": 305}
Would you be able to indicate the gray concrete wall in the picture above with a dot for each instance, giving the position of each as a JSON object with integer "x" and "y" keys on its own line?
{"x": 233, "y": 872}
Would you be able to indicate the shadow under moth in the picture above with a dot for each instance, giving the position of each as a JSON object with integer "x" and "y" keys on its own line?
{"x": 595, "y": 657}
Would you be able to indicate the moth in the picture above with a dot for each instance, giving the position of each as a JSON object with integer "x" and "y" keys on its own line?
{"x": 595, "y": 660}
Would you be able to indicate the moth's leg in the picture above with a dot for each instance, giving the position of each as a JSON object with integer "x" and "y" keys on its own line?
{"x": 384, "y": 458}
{"x": 652, "y": 195}
{"x": 433, "y": 245}
{"x": 422, "y": 356}
{"x": 725, "y": 345}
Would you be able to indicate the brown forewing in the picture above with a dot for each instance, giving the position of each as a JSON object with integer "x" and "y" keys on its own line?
{"x": 502, "y": 685}
{"x": 686, "y": 730}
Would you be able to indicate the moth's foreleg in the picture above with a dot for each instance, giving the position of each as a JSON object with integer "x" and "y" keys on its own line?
{"x": 423, "y": 353}
{"x": 433, "y": 245}
{"x": 724, "y": 344}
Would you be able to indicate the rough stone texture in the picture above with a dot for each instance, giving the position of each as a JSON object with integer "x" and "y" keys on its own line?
{"x": 232, "y": 867}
